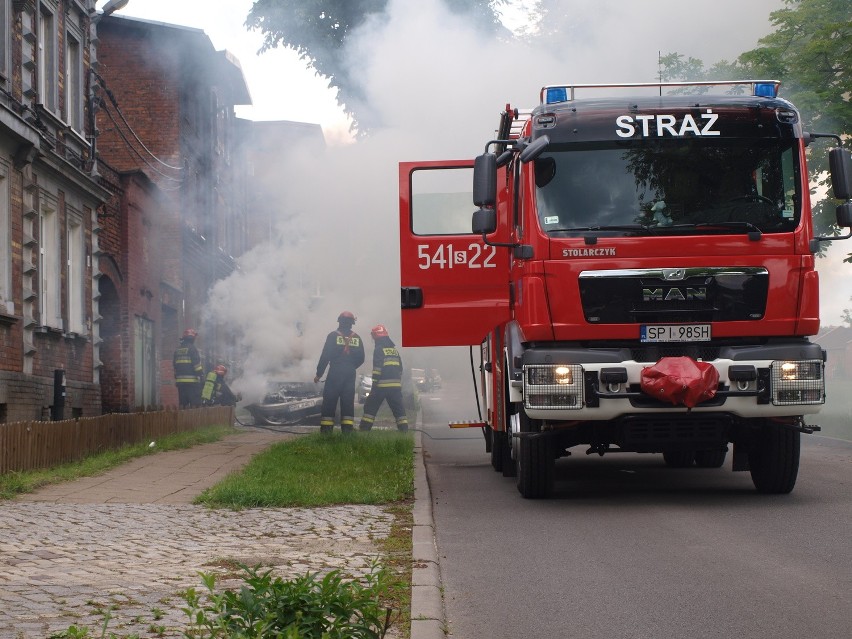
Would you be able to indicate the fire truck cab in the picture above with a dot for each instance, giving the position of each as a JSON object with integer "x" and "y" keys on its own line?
{"x": 639, "y": 276}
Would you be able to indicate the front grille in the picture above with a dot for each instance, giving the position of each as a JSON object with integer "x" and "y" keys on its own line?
{"x": 674, "y": 295}
{"x": 651, "y": 431}
{"x": 653, "y": 353}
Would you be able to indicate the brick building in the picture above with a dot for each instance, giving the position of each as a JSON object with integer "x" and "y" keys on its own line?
{"x": 177, "y": 217}
{"x": 48, "y": 203}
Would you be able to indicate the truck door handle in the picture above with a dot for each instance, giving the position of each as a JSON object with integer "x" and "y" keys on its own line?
{"x": 412, "y": 296}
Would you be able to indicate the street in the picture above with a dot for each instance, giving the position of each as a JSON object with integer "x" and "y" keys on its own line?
{"x": 628, "y": 547}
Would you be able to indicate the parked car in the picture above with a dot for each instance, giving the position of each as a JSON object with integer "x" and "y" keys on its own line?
{"x": 288, "y": 403}
{"x": 418, "y": 379}
{"x": 365, "y": 385}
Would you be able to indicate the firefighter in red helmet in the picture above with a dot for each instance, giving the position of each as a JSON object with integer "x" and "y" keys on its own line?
{"x": 216, "y": 391}
{"x": 342, "y": 353}
{"x": 188, "y": 370}
{"x": 387, "y": 381}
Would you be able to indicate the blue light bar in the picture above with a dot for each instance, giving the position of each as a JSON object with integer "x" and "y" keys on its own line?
{"x": 765, "y": 89}
{"x": 556, "y": 94}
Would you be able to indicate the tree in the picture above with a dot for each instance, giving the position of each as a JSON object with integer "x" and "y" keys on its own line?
{"x": 318, "y": 31}
{"x": 810, "y": 52}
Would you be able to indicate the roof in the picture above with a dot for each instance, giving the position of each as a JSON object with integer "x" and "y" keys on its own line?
{"x": 834, "y": 337}
{"x": 224, "y": 66}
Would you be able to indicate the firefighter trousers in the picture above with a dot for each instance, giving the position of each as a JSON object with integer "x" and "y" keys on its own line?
{"x": 339, "y": 387}
{"x": 393, "y": 395}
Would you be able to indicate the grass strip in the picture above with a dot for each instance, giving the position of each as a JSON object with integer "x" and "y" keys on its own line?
{"x": 322, "y": 470}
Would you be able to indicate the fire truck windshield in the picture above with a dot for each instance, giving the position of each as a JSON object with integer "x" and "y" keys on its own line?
{"x": 677, "y": 186}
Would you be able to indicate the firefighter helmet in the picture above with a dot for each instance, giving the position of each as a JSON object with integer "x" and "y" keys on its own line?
{"x": 190, "y": 333}
{"x": 346, "y": 318}
{"x": 379, "y": 330}
{"x": 220, "y": 370}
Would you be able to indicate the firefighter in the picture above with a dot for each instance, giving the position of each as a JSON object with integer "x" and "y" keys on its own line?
{"x": 387, "y": 381}
{"x": 188, "y": 370}
{"x": 343, "y": 353}
{"x": 216, "y": 391}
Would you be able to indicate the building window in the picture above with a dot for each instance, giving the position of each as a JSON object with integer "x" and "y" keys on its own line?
{"x": 49, "y": 261}
{"x": 47, "y": 80}
{"x": 73, "y": 83}
{"x": 76, "y": 274}
{"x": 6, "y": 300}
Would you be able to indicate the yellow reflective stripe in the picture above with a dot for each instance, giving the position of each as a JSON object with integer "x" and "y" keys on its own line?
{"x": 347, "y": 421}
{"x": 389, "y": 384}
{"x": 369, "y": 419}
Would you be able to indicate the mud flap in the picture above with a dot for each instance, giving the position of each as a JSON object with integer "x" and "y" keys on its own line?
{"x": 740, "y": 458}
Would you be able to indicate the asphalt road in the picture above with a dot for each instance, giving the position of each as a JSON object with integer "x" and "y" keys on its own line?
{"x": 630, "y": 548}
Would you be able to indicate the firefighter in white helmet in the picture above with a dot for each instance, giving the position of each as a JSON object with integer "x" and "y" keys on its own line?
{"x": 342, "y": 353}
{"x": 387, "y": 381}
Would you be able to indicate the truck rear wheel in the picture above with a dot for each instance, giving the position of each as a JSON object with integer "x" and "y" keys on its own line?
{"x": 535, "y": 463}
{"x": 774, "y": 459}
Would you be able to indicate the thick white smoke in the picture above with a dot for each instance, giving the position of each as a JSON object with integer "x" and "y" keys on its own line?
{"x": 434, "y": 89}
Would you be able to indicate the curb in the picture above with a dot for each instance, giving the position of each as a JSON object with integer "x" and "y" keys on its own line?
{"x": 427, "y": 603}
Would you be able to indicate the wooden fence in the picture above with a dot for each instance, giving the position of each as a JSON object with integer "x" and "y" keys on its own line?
{"x": 32, "y": 445}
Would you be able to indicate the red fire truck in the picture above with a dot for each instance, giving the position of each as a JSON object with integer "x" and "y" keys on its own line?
{"x": 639, "y": 276}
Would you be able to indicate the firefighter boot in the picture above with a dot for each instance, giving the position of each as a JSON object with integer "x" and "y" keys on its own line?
{"x": 346, "y": 429}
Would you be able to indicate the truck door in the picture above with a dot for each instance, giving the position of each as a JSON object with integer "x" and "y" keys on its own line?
{"x": 454, "y": 286}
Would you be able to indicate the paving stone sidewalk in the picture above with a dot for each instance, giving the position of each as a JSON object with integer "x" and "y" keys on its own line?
{"x": 131, "y": 540}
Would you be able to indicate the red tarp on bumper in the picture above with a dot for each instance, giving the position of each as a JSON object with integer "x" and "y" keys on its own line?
{"x": 680, "y": 380}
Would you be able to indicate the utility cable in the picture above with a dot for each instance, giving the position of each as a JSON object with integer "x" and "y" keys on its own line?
{"x": 136, "y": 151}
{"x": 114, "y": 101}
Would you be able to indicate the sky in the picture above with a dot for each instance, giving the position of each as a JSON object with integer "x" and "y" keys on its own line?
{"x": 437, "y": 88}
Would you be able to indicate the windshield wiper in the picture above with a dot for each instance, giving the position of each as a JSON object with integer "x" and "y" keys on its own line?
{"x": 754, "y": 233}
{"x": 612, "y": 227}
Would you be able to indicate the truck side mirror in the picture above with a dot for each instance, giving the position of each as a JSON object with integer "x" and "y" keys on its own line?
{"x": 484, "y": 221}
{"x": 840, "y": 167}
{"x": 485, "y": 180}
{"x": 844, "y": 215}
{"x": 533, "y": 150}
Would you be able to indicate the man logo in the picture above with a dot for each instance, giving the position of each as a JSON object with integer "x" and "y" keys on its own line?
{"x": 674, "y": 294}
{"x": 673, "y": 274}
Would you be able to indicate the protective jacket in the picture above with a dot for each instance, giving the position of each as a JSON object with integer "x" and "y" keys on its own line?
{"x": 187, "y": 363}
{"x": 387, "y": 365}
{"x": 342, "y": 353}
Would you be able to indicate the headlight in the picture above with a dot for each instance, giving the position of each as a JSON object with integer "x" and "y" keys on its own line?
{"x": 563, "y": 375}
{"x": 790, "y": 371}
{"x": 555, "y": 386}
{"x": 797, "y": 382}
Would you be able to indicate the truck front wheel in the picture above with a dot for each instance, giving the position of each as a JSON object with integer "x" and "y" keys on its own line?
{"x": 714, "y": 458}
{"x": 535, "y": 463}
{"x": 774, "y": 459}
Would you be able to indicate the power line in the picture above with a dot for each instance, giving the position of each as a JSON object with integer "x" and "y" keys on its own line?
{"x": 114, "y": 102}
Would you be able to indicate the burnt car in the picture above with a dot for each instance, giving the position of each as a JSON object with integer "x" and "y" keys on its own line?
{"x": 288, "y": 403}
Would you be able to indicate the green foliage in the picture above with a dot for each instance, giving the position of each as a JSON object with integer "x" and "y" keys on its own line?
{"x": 810, "y": 52}
{"x": 320, "y": 470}
{"x": 318, "y": 31}
{"x": 306, "y": 607}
